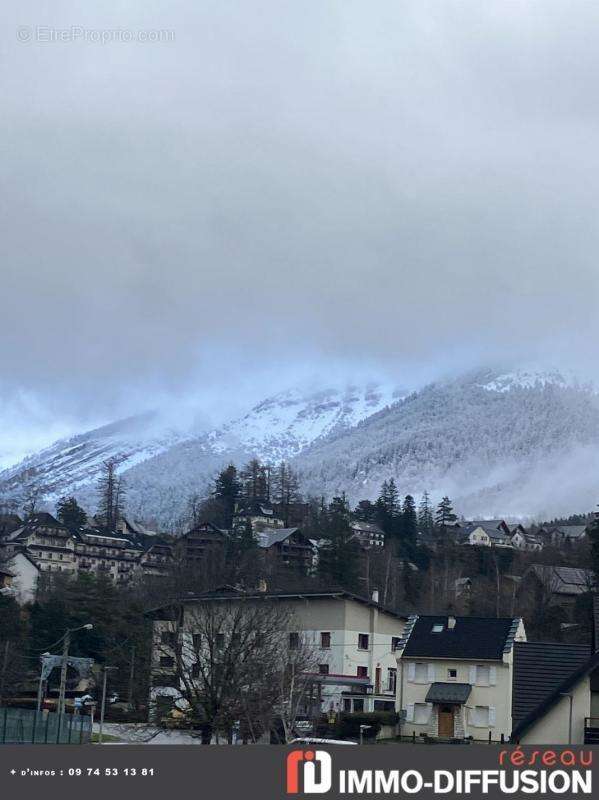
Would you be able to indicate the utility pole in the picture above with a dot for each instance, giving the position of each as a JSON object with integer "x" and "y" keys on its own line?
{"x": 103, "y": 706}
{"x": 131, "y": 675}
{"x": 64, "y": 663}
{"x": 63, "y": 671}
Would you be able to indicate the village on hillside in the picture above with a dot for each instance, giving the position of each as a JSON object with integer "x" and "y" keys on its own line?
{"x": 392, "y": 620}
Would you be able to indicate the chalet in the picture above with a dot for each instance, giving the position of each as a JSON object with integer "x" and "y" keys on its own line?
{"x": 566, "y": 584}
{"x": 521, "y": 540}
{"x": 564, "y": 535}
{"x": 105, "y": 552}
{"x": 482, "y": 534}
{"x": 455, "y": 676}
{"x": 289, "y": 546}
{"x": 156, "y": 559}
{"x": 260, "y": 516}
{"x": 368, "y": 534}
{"x": 49, "y": 543}
{"x": 194, "y": 545}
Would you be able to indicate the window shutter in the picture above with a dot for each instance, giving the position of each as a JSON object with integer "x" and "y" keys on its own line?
{"x": 492, "y": 676}
{"x": 411, "y": 671}
{"x": 431, "y": 673}
{"x": 492, "y": 716}
{"x": 470, "y": 717}
{"x": 410, "y": 713}
{"x": 473, "y": 675}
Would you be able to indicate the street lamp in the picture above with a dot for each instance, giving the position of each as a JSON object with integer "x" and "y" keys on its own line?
{"x": 63, "y": 667}
{"x": 103, "y": 706}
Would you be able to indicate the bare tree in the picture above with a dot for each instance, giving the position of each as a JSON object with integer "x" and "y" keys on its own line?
{"x": 233, "y": 661}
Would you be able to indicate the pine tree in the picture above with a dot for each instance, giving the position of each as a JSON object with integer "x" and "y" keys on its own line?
{"x": 425, "y": 515}
{"x": 387, "y": 508}
{"x": 444, "y": 516}
{"x": 111, "y": 490}
{"x": 255, "y": 482}
{"x": 339, "y": 561}
{"x": 227, "y": 489}
{"x": 365, "y": 511}
{"x": 409, "y": 523}
{"x": 70, "y": 513}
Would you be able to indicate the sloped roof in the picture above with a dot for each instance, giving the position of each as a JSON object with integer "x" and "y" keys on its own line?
{"x": 570, "y": 531}
{"x": 564, "y": 580}
{"x": 268, "y": 538}
{"x": 367, "y": 527}
{"x": 232, "y": 592}
{"x": 472, "y": 638}
{"x": 539, "y": 668}
{"x": 448, "y": 693}
{"x": 555, "y": 695}
{"x": 496, "y": 524}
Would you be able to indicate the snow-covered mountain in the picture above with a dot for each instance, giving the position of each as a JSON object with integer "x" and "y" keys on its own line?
{"x": 500, "y": 443}
{"x": 522, "y": 443}
{"x": 163, "y": 467}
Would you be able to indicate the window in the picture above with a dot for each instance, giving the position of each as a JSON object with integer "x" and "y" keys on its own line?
{"x": 391, "y": 679}
{"x": 293, "y": 640}
{"x": 358, "y": 705}
{"x": 167, "y": 638}
{"x": 437, "y": 629}
{"x": 347, "y": 704}
{"x": 420, "y": 673}
{"x": 452, "y": 674}
{"x": 195, "y": 671}
{"x": 422, "y": 713}
{"x": 482, "y": 675}
{"x": 323, "y": 669}
{"x": 395, "y": 640}
{"x": 362, "y": 672}
{"x": 325, "y": 640}
{"x": 167, "y": 661}
{"x": 384, "y": 705}
{"x": 196, "y": 641}
{"x": 480, "y": 716}
{"x": 219, "y": 641}
{"x": 363, "y": 641}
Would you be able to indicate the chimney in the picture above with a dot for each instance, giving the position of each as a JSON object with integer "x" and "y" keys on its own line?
{"x": 262, "y": 585}
{"x": 375, "y": 596}
{"x": 450, "y": 623}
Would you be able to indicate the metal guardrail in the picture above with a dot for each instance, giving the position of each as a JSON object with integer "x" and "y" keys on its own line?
{"x": 25, "y": 726}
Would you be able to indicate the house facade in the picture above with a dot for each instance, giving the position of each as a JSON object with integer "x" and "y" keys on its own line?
{"x": 352, "y": 641}
{"x": 455, "y": 677}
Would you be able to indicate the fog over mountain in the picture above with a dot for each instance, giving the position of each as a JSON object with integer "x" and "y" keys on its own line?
{"x": 287, "y": 195}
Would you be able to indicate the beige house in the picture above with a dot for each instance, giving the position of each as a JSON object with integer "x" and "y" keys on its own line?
{"x": 455, "y": 677}
{"x": 569, "y": 714}
{"x": 25, "y": 574}
{"x": 352, "y": 639}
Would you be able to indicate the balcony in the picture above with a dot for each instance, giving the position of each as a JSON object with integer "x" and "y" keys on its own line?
{"x": 591, "y": 730}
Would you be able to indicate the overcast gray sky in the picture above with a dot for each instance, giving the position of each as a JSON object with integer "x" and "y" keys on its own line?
{"x": 397, "y": 187}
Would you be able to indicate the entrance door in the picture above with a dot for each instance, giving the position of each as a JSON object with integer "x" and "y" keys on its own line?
{"x": 446, "y": 722}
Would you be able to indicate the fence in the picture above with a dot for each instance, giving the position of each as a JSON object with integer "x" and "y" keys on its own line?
{"x": 25, "y": 726}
